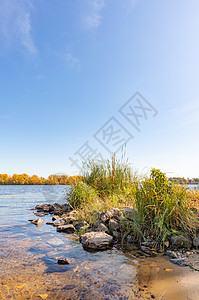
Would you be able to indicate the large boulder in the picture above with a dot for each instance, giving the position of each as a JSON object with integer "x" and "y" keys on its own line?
{"x": 69, "y": 228}
{"x": 96, "y": 240}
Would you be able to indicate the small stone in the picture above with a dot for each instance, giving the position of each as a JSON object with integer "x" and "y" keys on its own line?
{"x": 66, "y": 228}
{"x": 171, "y": 254}
{"x": 59, "y": 223}
{"x": 49, "y": 223}
{"x": 40, "y": 214}
{"x": 55, "y": 217}
{"x": 63, "y": 261}
{"x": 37, "y": 222}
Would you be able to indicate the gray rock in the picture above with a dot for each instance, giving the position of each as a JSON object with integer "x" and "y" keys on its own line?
{"x": 172, "y": 254}
{"x": 96, "y": 240}
{"x": 180, "y": 241}
{"x": 102, "y": 228}
{"x": 37, "y": 222}
{"x": 130, "y": 213}
{"x": 105, "y": 216}
{"x": 66, "y": 208}
{"x": 196, "y": 241}
{"x": 179, "y": 261}
{"x": 113, "y": 225}
{"x": 81, "y": 225}
{"x": 116, "y": 213}
{"x": 66, "y": 228}
{"x": 117, "y": 235}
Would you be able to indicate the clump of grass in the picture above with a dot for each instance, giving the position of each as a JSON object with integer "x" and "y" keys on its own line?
{"x": 163, "y": 207}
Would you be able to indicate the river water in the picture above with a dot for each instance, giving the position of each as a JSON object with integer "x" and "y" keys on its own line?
{"x": 29, "y": 269}
{"x": 28, "y": 255}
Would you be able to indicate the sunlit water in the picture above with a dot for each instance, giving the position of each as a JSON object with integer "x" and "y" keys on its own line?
{"x": 28, "y": 255}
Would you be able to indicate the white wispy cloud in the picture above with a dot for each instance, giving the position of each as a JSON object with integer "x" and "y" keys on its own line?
{"x": 15, "y": 23}
{"x": 93, "y": 17}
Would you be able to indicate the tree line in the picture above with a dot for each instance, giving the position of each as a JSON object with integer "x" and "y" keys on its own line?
{"x": 24, "y": 179}
{"x": 182, "y": 180}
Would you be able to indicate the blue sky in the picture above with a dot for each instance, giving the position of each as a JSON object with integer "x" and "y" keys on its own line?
{"x": 67, "y": 67}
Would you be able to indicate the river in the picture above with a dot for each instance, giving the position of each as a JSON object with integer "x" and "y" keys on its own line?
{"x": 29, "y": 269}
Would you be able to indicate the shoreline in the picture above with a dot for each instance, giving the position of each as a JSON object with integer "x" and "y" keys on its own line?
{"x": 158, "y": 277}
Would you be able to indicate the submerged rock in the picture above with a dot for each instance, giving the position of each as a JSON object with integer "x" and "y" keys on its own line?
{"x": 63, "y": 261}
{"x": 96, "y": 240}
{"x": 69, "y": 228}
{"x": 37, "y": 222}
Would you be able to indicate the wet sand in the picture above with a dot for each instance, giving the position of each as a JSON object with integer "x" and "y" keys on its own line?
{"x": 158, "y": 278}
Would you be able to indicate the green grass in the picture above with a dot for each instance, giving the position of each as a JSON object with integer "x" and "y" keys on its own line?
{"x": 163, "y": 207}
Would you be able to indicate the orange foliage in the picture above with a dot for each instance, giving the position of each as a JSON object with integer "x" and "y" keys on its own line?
{"x": 24, "y": 179}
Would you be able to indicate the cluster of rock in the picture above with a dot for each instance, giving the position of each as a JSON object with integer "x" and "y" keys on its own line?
{"x": 109, "y": 227}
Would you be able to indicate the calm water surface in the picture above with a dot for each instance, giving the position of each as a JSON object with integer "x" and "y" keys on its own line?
{"x": 28, "y": 255}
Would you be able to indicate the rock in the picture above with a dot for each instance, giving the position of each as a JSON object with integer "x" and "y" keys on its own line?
{"x": 101, "y": 228}
{"x": 149, "y": 243}
{"x": 113, "y": 225}
{"x": 81, "y": 225}
{"x": 49, "y": 223}
{"x": 66, "y": 208}
{"x": 116, "y": 235}
{"x": 105, "y": 216}
{"x": 40, "y": 214}
{"x": 96, "y": 240}
{"x": 37, "y": 222}
{"x": 116, "y": 213}
{"x": 69, "y": 219}
{"x": 59, "y": 223}
{"x": 179, "y": 261}
{"x": 180, "y": 241}
{"x": 147, "y": 250}
{"x": 130, "y": 213}
{"x": 44, "y": 207}
{"x": 66, "y": 228}
{"x": 55, "y": 217}
{"x": 172, "y": 254}
{"x": 196, "y": 241}
{"x": 63, "y": 261}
